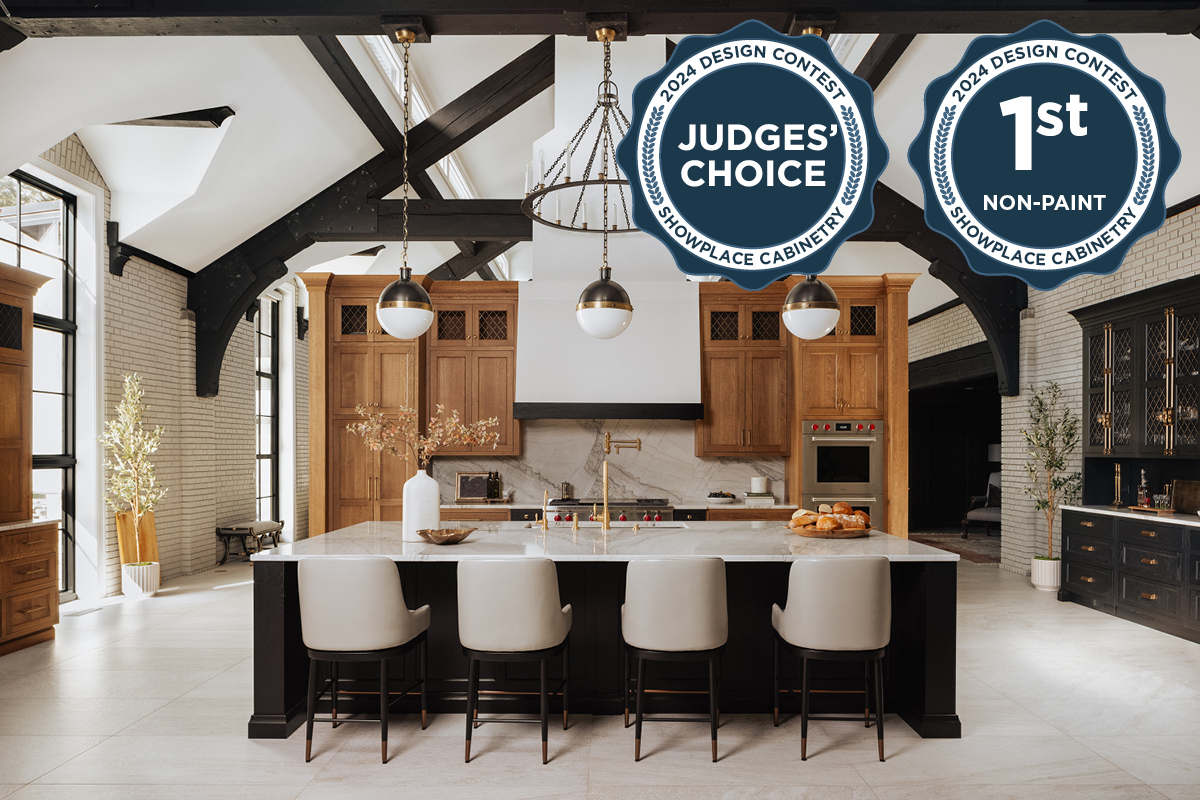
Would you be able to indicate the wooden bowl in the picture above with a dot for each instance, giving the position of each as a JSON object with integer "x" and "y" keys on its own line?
{"x": 840, "y": 533}
{"x": 445, "y": 535}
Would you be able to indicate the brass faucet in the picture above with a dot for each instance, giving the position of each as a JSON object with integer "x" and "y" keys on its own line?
{"x": 545, "y": 509}
{"x": 610, "y": 443}
{"x": 603, "y": 518}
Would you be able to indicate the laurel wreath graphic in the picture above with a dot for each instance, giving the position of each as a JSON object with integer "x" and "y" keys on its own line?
{"x": 648, "y": 177}
{"x": 855, "y": 144}
{"x": 940, "y": 143}
{"x": 1147, "y": 141}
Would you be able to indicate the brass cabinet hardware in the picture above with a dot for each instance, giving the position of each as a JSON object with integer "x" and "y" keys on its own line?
{"x": 33, "y": 610}
{"x": 1087, "y": 548}
{"x": 1087, "y": 524}
{"x": 1149, "y": 596}
{"x": 1087, "y": 579}
{"x": 741, "y": 438}
{"x": 1149, "y": 560}
{"x": 749, "y": 437}
{"x": 32, "y": 571}
{"x": 1151, "y": 534}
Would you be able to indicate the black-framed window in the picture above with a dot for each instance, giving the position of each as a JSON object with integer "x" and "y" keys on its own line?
{"x": 266, "y": 408}
{"x": 37, "y": 233}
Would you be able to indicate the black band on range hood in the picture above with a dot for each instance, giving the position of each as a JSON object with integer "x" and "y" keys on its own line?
{"x": 608, "y": 410}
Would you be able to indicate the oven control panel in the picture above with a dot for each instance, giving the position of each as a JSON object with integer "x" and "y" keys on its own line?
{"x": 844, "y": 427}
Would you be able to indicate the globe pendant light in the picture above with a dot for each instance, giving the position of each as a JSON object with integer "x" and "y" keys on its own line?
{"x": 404, "y": 309}
{"x": 811, "y": 309}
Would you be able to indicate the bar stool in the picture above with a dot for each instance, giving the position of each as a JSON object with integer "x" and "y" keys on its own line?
{"x": 675, "y": 610}
{"x": 509, "y": 610}
{"x": 352, "y": 609}
{"x": 838, "y": 609}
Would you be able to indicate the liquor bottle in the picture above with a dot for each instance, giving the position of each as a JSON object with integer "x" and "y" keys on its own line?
{"x": 1144, "y": 492}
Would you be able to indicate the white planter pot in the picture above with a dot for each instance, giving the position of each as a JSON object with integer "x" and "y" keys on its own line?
{"x": 422, "y": 505}
{"x": 140, "y": 580}
{"x": 1045, "y": 574}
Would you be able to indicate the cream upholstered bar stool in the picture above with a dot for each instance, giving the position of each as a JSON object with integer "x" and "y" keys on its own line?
{"x": 352, "y": 609}
{"x": 675, "y": 610}
{"x": 509, "y": 610}
{"x": 838, "y": 609}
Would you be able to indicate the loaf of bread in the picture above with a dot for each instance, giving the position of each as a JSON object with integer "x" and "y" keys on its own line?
{"x": 842, "y": 508}
{"x": 804, "y": 521}
{"x": 827, "y": 522}
{"x": 840, "y": 522}
{"x": 863, "y": 516}
{"x": 800, "y": 512}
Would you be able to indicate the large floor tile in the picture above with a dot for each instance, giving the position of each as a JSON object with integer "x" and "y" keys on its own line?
{"x": 940, "y": 791}
{"x": 103, "y": 684}
{"x": 191, "y": 716}
{"x": 160, "y": 658}
{"x": 332, "y": 791}
{"x": 31, "y": 716}
{"x": 731, "y": 793}
{"x": 40, "y": 791}
{"x": 1151, "y": 759}
{"x": 191, "y": 760}
{"x": 26, "y": 758}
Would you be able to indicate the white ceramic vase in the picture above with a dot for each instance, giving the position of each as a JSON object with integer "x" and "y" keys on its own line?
{"x": 422, "y": 505}
{"x": 1045, "y": 574}
{"x": 140, "y": 580}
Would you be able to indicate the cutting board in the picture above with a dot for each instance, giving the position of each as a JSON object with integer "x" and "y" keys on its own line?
{"x": 1185, "y": 496}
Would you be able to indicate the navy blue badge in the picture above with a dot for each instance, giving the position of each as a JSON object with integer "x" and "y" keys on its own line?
{"x": 752, "y": 155}
{"x": 1044, "y": 155}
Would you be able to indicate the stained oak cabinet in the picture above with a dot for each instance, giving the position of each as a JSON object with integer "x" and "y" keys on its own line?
{"x": 472, "y": 359}
{"x": 744, "y": 372}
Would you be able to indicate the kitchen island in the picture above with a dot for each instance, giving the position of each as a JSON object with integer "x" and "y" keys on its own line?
{"x": 919, "y": 669}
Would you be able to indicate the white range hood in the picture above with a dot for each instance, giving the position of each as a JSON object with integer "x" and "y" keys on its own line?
{"x": 651, "y": 371}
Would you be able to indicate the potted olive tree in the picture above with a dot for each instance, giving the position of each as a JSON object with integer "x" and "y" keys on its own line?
{"x": 133, "y": 491}
{"x": 1050, "y": 439}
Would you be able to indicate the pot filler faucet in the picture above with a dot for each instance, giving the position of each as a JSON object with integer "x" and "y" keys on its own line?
{"x": 609, "y": 444}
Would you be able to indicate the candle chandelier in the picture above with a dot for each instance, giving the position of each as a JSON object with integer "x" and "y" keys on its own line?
{"x": 560, "y": 200}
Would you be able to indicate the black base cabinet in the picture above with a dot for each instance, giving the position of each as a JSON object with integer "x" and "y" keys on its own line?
{"x": 1139, "y": 568}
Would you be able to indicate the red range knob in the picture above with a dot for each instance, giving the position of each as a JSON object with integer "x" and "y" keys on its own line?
{"x": 658, "y": 517}
{"x": 558, "y": 517}
{"x": 860, "y": 427}
{"x": 591, "y": 517}
{"x": 621, "y": 518}
{"x": 827, "y": 426}
{"x": 646, "y": 518}
{"x": 567, "y": 517}
{"x": 872, "y": 427}
{"x": 815, "y": 426}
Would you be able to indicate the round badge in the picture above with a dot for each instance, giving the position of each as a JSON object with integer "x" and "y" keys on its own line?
{"x": 1044, "y": 155}
{"x": 752, "y": 155}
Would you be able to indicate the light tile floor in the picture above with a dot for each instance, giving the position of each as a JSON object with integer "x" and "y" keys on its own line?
{"x": 148, "y": 700}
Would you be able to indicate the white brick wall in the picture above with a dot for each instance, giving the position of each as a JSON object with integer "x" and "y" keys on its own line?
{"x": 1052, "y": 350}
{"x": 300, "y": 524}
{"x": 206, "y": 458}
{"x": 950, "y": 330}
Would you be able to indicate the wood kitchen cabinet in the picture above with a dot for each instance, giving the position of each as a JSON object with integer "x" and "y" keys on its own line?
{"x": 744, "y": 372}
{"x": 472, "y": 357}
{"x": 842, "y": 381}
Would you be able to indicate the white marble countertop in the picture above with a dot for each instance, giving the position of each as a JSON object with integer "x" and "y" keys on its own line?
{"x": 738, "y": 505}
{"x": 1192, "y": 520}
{"x": 732, "y": 541}
{"x": 26, "y": 523}
{"x": 706, "y": 503}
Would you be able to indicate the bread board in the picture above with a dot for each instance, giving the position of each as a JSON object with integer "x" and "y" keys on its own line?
{"x": 1162, "y": 512}
{"x": 840, "y": 533}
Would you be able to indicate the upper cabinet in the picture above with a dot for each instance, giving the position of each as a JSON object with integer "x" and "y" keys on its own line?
{"x": 17, "y": 287}
{"x": 744, "y": 372}
{"x": 1141, "y": 373}
{"x": 473, "y": 358}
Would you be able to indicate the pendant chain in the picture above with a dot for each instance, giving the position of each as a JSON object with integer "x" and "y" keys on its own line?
{"x": 404, "y": 270}
{"x": 604, "y": 157}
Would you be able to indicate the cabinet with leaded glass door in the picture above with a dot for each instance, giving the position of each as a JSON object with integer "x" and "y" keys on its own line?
{"x": 1109, "y": 394}
{"x": 731, "y": 317}
{"x": 474, "y": 318}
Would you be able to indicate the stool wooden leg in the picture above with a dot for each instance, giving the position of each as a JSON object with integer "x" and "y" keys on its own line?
{"x": 312, "y": 707}
{"x": 804, "y": 709}
{"x": 626, "y": 684}
{"x": 712, "y": 703}
{"x": 424, "y": 658}
{"x": 333, "y": 689}
{"x": 383, "y": 708}
{"x": 867, "y": 694}
{"x": 879, "y": 704}
{"x": 566, "y": 678}
{"x": 637, "y": 724}
{"x": 775, "y": 692}
{"x": 545, "y": 706}
{"x": 472, "y": 699}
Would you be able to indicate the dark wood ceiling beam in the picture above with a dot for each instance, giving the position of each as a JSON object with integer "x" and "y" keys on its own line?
{"x": 431, "y": 221}
{"x": 9, "y": 37}
{"x": 461, "y": 266}
{"x": 996, "y": 301}
{"x": 883, "y": 54}
{"x": 549, "y": 17}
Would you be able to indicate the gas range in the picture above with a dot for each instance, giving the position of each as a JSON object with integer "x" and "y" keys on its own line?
{"x": 637, "y": 509}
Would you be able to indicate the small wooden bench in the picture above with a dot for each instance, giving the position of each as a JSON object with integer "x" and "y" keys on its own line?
{"x": 256, "y": 532}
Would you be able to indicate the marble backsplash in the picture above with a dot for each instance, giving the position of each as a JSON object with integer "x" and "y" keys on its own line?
{"x": 573, "y": 451}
